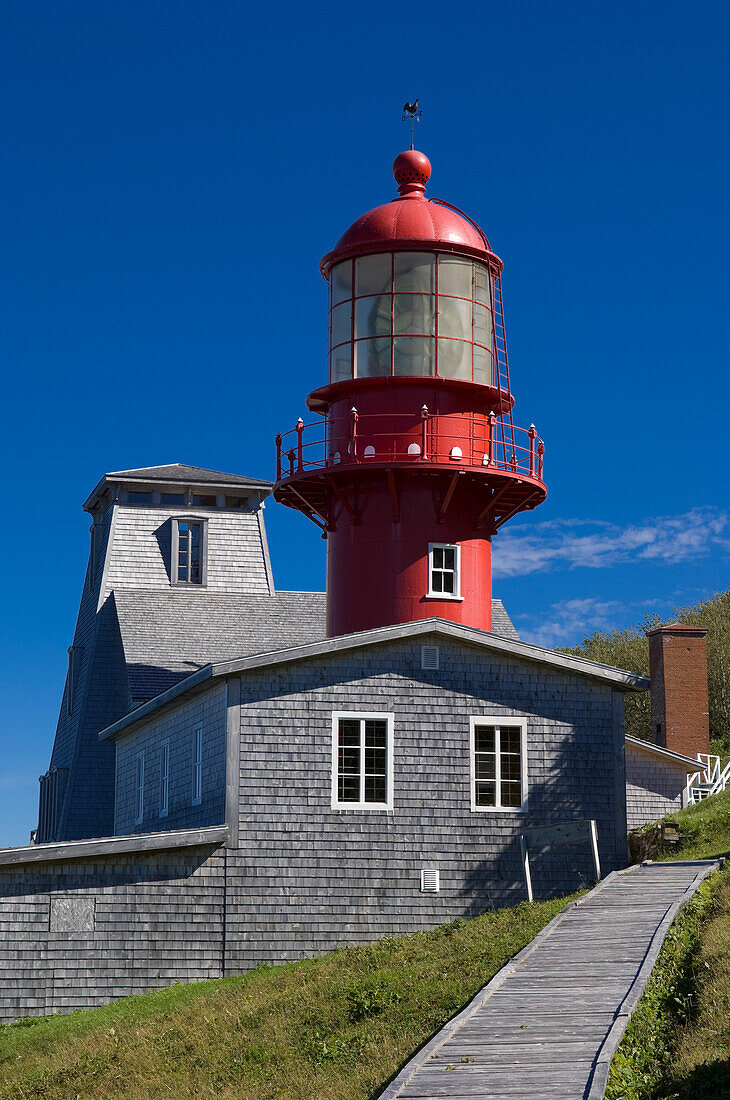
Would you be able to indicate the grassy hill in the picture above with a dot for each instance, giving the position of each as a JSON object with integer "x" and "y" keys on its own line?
{"x": 338, "y": 1027}
{"x": 705, "y": 828}
{"x": 333, "y": 1028}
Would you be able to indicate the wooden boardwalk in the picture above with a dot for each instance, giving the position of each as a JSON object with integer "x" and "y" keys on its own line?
{"x": 548, "y": 1024}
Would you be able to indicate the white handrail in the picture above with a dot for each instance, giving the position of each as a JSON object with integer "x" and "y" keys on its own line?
{"x": 710, "y": 780}
{"x": 722, "y": 779}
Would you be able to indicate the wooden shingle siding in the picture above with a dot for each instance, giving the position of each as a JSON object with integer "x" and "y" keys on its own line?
{"x": 176, "y": 725}
{"x": 157, "y": 918}
{"x": 654, "y": 787}
{"x": 141, "y": 550}
{"x": 316, "y": 878}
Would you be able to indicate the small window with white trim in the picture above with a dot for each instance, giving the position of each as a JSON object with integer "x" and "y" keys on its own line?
{"x": 164, "y": 778}
{"x": 197, "y": 765}
{"x": 362, "y": 761}
{"x": 139, "y": 788}
{"x": 443, "y": 570}
{"x": 498, "y": 772}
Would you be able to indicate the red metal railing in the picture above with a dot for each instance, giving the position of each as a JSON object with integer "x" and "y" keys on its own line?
{"x": 467, "y": 439}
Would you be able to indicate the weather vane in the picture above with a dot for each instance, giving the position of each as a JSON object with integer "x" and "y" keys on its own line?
{"x": 411, "y": 112}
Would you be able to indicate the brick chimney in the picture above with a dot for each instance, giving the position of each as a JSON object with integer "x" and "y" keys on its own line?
{"x": 679, "y": 704}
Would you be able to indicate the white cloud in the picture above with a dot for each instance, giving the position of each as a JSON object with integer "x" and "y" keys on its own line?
{"x": 594, "y": 544}
{"x": 568, "y": 622}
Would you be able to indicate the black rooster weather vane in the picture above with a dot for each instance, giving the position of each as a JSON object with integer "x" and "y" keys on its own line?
{"x": 412, "y": 114}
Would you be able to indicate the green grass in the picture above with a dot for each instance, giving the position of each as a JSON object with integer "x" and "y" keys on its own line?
{"x": 705, "y": 828}
{"x": 677, "y": 1045}
{"x": 332, "y": 1028}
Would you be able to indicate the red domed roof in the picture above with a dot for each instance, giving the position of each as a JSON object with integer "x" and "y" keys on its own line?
{"x": 411, "y": 218}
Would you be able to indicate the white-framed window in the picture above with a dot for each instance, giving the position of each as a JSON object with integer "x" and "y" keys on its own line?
{"x": 139, "y": 788}
{"x": 498, "y": 751}
{"x": 164, "y": 777}
{"x": 189, "y": 550}
{"x": 444, "y": 562}
{"x": 197, "y": 765}
{"x": 362, "y": 761}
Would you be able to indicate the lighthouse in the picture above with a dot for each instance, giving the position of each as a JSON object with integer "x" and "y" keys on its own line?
{"x": 414, "y": 461}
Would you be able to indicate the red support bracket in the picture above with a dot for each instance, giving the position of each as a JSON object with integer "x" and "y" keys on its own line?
{"x": 393, "y": 496}
{"x": 448, "y": 495}
{"x": 342, "y": 498}
{"x": 518, "y": 508}
{"x": 489, "y": 507}
{"x": 311, "y": 511}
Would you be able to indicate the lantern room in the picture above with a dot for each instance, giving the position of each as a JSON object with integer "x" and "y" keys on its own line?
{"x": 410, "y": 314}
{"x": 413, "y": 286}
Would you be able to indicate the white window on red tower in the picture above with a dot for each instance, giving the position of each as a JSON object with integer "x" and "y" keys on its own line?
{"x": 362, "y": 761}
{"x": 443, "y": 570}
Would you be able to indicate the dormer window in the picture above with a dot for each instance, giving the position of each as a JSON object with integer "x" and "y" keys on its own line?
{"x": 189, "y": 551}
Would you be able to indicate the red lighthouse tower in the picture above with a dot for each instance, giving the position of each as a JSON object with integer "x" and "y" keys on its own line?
{"x": 415, "y": 462}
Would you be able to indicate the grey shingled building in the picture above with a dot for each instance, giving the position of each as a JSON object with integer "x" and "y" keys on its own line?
{"x": 228, "y": 786}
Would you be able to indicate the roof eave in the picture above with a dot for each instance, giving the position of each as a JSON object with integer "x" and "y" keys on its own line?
{"x": 182, "y": 687}
{"x": 264, "y": 487}
{"x": 687, "y": 762}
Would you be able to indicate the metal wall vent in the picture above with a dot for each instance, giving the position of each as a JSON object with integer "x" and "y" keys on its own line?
{"x": 430, "y": 883}
{"x": 429, "y": 656}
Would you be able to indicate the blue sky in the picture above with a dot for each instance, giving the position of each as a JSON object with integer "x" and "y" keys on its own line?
{"x": 173, "y": 174}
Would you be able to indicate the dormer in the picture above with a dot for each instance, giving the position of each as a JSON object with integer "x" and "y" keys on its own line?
{"x": 180, "y": 527}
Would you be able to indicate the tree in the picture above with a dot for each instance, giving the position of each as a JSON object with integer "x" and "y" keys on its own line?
{"x": 629, "y": 649}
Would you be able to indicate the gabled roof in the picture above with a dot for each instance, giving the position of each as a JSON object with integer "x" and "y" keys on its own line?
{"x": 178, "y": 473}
{"x": 169, "y": 633}
{"x": 687, "y": 762}
{"x": 617, "y": 678}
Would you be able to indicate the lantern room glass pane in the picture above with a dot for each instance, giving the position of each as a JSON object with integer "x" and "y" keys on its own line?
{"x": 372, "y": 358}
{"x": 340, "y": 363}
{"x": 481, "y": 284}
{"x": 454, "y": 318}
{"x": 341, "y": 318}
{"x": 482, "y": 366}
{"x": 482, "y": 326}
{"x": 341, "y": 282}
{"x": 373, "y": 274}
{"x": 455, "y": 359}
{"x": 372, "y": 316}
{"x": 455, "y": 276}
{"x": 415, "y": 271}
{"x": 414, "y": 313}
{"x": 413, "y": 356}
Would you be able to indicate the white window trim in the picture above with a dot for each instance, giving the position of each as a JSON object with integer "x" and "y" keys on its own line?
{"x": 164, "y": 777}
{"x": 455, "y": 596}
{"x": 361, "y": 714}
{"x": 498, "y": 720}
{"x": 197, "y": 791}
{"x": 139, "y": 787}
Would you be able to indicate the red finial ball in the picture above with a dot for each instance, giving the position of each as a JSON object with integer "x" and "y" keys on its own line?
{"x": 412, "y": 171}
